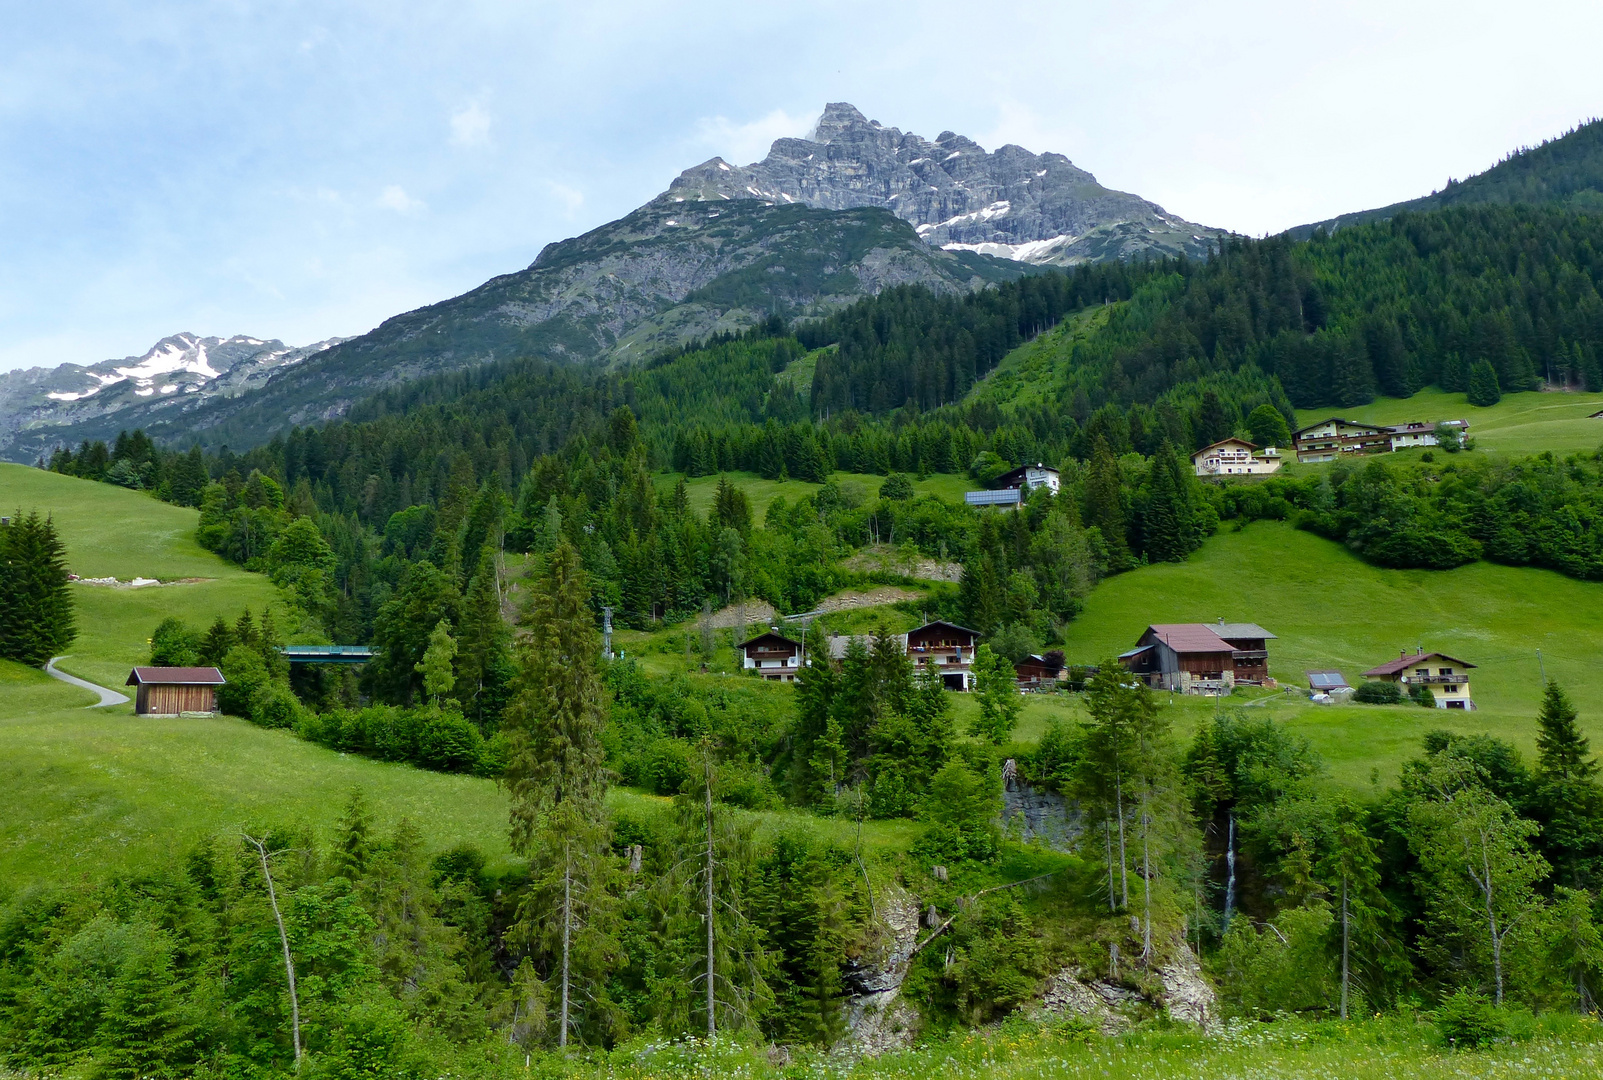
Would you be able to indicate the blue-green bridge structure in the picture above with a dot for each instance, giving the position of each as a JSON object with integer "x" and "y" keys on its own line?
{"x": 327, "y": 654}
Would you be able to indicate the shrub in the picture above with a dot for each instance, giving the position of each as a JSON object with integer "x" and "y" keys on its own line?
{"x": 1422, "y": 696}
{"x": 896, "y": 486}
{"x": 246, "y": 672}
{"x": 448, "y": 741}
{"x": 274, "y": 705}
{"x": 1468, "y": 1019}
{"x": 174, "y": 644}
{"x": 1377, "y": 692}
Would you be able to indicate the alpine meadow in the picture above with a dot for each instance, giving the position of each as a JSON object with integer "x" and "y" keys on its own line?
{"x": 967, "y": 621}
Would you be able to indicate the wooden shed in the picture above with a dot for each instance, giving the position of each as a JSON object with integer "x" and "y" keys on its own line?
{"x": 171, "y": 691}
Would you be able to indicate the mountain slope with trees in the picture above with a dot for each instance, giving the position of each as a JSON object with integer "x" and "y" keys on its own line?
{"x": 1566, "y": 171}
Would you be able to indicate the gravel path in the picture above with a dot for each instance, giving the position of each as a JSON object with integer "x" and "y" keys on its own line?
{"x": 107, "y": 697}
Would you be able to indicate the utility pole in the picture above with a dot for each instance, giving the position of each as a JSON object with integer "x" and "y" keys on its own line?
{"x": 606, "y": 632}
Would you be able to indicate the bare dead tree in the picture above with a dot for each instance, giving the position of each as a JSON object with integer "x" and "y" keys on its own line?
{"x": 283, "y": 938}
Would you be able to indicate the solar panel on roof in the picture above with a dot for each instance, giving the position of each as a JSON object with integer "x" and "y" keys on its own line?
{"x": 1326, "y": 680}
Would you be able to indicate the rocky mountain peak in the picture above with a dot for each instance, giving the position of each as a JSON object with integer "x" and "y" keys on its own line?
{"x": 1013, "y": 203}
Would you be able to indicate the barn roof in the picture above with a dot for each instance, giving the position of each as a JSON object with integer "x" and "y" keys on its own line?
{"x": 1190, "y": 638}
{"x": 175, "y": 676}
{"x": 1229, "y": 630}
{"x": 839, "y": 643}
{"x": 766, "y": 635}
{"x": 1232, "y": 441}
{"x": 948, "y": 625}
{"x": 1392, "y": 667}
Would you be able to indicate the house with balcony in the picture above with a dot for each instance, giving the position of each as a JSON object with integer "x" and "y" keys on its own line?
{"x": 947, "y": 649}
{"x": 1235, "y": 457}
{"x": 1446, "y": 677}
{"x": 1012, "y": 489}
{"x": 1334, "y": 437}
{"x": 773, "y": 656}
{"x": 941, "y": 647}
{"x": 1421, "y": 433}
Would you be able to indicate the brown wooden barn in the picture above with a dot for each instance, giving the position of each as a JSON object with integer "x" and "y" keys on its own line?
{"x": 170, "y": 691}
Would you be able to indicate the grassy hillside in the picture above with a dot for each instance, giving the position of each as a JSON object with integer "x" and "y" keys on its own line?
{"x": 761, "y": 492}
{"x": 1330, "y": 610}
{"x": 111, "y": 532}
{"x": 1519, "y": 424}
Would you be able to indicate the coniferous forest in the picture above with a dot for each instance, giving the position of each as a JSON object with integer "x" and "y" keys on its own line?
{"x": 1468, "y": 891}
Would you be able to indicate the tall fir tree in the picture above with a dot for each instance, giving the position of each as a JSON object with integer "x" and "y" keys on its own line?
{"x": 557, "y": 782}
{"x": 1104, "y": 503}
{"x": 36, "y": 610}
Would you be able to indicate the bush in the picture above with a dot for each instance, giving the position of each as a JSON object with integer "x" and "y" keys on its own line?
{"x": 429, "y": 737}
{"x": 896, "y": 486}
{"x": 1467, "y": 1020}
{"x": 1421, "y": 695}
{"x": 173, "y": 644}
{"x": 246, "y": 672}
{"x": 275, "y": 705}
{"x": 1376, "y": 692}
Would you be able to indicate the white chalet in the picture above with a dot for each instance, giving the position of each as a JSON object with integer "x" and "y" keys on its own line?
{"x": 1235, "y": 457}
{"x": 773, "y": 656}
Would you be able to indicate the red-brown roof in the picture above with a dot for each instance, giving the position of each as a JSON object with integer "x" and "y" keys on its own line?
{"x": 1190, "y": 638}
{"x": 175, "y": 676}
{"x": 1392, "y": 667}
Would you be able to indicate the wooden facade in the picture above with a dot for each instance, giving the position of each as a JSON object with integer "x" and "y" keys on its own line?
{"x": 947, "y": 649}
{"x": 773, "y": 656}
{"x": 175, "y": 691}
{"x": 1200, "y": 658}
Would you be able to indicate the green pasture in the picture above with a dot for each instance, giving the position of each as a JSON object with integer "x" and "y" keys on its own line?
{"x": 1525, "y": 423}
{"x": 112, "y": 532}
{"x": 761, "y": 492}
{"x": 1331, "y": 610}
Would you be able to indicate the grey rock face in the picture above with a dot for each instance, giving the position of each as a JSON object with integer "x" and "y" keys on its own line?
{"x": 1036, "y": 208}
{"x": 1041, "y": 814}
{"x": 180, "y": 373}
{"x": 878, "y": 1019}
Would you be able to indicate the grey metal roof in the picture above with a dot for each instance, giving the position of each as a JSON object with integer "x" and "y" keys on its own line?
{"x": 839, "y": 643}
{"x": 1327, "y": 680}
{"x": 1240, "y": 630}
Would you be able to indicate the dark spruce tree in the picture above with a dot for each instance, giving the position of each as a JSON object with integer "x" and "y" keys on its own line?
{"x": 36, "y": 616}
{"x": 1483, "y": 389}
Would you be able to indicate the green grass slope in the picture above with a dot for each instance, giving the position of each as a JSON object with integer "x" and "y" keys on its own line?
{"x": 89, "y": 792}
{"x": 760, "y": 492}
{"x": 1331, "y": 610}
{"x": 1525, "y": 423}
{"x": 111, "y": 532}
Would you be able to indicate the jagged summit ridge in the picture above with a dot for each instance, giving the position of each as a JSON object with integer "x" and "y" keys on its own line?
{"x": 1038, "y": 208}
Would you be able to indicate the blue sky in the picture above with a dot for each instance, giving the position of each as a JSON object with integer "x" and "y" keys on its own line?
{"x": 301, "y": 170}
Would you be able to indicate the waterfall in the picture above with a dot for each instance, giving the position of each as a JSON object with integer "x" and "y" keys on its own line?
{"x": 1230, "y": 882}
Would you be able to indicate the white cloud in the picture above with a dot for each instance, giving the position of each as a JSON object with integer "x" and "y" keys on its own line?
{"x": 749, "y": 142}
{"x": 571, "y": 198}
{"x": 394, "y": 197}
{"x": 470, "y": 125}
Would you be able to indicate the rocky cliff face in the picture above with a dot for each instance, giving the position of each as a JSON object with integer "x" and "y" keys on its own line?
{"x": 1035, "y": 208}
{"x": 43, "y": 407}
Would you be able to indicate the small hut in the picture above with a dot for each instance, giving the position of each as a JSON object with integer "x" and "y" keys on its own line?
{"x": 172, "y": 691}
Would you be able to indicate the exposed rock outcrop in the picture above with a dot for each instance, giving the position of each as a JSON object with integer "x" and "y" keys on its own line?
{"x": 1040, "y": 814}
{"x": 1186, "y": 996}
{"x": 1036, "y": 208}
{"x": 877, "y": 1019}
